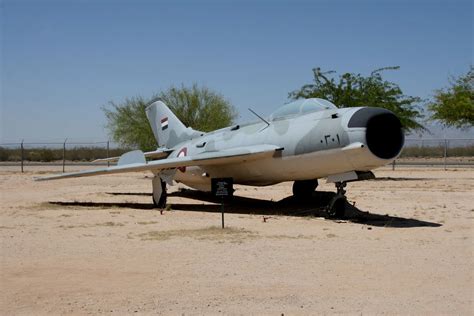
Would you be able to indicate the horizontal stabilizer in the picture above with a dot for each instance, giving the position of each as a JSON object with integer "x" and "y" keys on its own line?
{"x": 132, "y": 157}
{"x": 160, "y": 153}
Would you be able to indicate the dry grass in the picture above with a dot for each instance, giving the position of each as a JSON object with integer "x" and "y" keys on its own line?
{"x": 73, "y": 226}
{"x": 105, "y": 224}
{"x": 110, "y": 224}
{"x": 46, "y": 206}
{"x": 6, "y": 227}
{"x": 209, "y": 233}
{"x": 291, "y": 237}
{"x": 45, "y": 154}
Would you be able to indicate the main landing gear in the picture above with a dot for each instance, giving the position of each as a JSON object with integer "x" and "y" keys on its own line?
{"x": 303, "y": 191}
{"x": 159, "y": 192}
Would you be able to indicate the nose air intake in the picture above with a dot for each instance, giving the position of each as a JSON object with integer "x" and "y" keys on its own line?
{"x": 384, "y": 134}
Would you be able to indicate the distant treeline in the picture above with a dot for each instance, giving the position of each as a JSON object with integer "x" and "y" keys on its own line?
{"x": 42, "y": 154}
{"x": 86, "y": 154}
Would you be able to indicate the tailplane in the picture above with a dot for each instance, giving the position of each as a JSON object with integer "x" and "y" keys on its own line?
{"x": 167, "y": 128}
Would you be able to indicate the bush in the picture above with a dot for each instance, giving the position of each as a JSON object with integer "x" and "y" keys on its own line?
{"x": 52, "y": 154}
{"x": 437, "y": 151}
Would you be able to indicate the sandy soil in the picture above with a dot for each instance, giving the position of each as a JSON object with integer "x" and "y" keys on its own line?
{"x": 95, "y": 245}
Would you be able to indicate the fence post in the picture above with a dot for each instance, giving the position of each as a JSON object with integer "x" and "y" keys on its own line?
{"x": 108, "y": 148}
{"x": 393, "y": 165}
{"x": 445, "y": 153}
{"x": 64, "y": 154}
{"x": 22, "y": 155}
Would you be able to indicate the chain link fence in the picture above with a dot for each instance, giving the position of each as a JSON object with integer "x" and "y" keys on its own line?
{"x": 446, "y": 153}
{"x": 437, "y": 152}
{"x": 61, "y": 154}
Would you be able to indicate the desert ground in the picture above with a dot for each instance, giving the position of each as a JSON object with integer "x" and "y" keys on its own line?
{"x": 96, "y": 246}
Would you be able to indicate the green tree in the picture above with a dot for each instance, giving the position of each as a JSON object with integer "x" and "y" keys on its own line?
{"x": 454, "y": 106}
{"x": 198, "y": 107}
{"x": 128, "y": 125}
{"x": 352, "y": 90}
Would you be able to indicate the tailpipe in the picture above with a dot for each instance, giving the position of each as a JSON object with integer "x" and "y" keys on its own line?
{"x": 384, "y": 134}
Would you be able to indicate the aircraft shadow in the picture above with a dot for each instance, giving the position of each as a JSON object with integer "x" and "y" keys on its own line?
{"x": 130, "y": 193}
{"x": 107, "y": 205}
{"x": 290, "y": 206}
{"x": 399, "y": 179}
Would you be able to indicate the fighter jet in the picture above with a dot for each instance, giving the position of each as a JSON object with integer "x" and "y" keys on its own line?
{"x": 303, "y": 141}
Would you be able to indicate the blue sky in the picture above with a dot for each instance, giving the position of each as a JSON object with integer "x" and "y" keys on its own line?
{"x": 61, "y": 61}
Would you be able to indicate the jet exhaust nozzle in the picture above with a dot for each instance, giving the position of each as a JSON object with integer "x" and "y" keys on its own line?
{"x": 384, "y": 134}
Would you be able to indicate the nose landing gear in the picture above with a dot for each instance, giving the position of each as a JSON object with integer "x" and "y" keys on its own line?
{"x": 337, "y": 205}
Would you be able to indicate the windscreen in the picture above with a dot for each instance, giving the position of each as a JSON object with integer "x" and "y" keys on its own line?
{"x": 300, "y": 107}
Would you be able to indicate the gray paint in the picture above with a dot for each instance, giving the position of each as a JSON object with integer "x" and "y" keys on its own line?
{"x": 310, "y": 138}
{"x": 301, "y": 145}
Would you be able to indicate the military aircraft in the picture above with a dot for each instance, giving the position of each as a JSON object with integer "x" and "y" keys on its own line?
{"x": 302, "y": 141}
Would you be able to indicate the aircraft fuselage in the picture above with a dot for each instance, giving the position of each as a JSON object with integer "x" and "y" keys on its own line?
{"x": 314, "y": 146}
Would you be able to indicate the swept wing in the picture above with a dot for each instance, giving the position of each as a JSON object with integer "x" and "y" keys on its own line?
{"x": 234, "y": 155}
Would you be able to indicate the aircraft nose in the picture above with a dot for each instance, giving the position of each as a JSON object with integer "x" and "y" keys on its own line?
{"x": 384, "y": 133}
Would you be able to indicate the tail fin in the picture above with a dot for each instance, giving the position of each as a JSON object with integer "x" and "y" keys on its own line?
{"x": 167, "y": 128}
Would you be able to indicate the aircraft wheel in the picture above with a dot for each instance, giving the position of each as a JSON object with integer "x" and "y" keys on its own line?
{"x": 159, "y": 193}
{"x": 304, "y": 188}
{"x": 162, "y": 202}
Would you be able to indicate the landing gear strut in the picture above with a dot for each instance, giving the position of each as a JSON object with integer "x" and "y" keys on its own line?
{"x": 337, "y": 205}
{"x": 159, "y": 192}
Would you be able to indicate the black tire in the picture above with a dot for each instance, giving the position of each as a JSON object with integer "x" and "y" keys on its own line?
{"x": 337, "y": 207}
{"x": 303, "y": 189}
{"x": 162, "y": 202}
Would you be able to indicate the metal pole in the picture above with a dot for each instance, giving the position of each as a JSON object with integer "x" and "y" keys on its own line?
{"x": 222, "y": 211}
{"x": 64, "y": 154}
{"x": 445, "y": 153}
{"x": 108, "y": 148}
{"x": 22, "y": 155}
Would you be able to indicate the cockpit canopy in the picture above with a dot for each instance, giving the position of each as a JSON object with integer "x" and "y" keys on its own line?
{"x": 300, "y": 107}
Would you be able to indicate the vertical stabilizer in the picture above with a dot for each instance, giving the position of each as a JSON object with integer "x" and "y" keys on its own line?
{"x": 167, "y": 128}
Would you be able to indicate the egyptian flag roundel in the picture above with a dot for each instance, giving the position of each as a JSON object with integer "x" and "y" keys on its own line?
{"x": 182, "y": 153}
